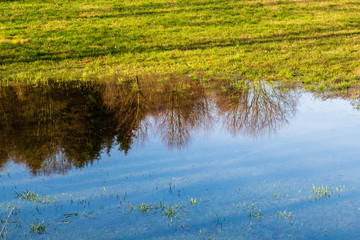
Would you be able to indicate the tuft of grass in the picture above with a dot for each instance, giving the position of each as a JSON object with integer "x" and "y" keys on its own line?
{"x": 284, "y": 214}
{"x": 33, "y": 197}
{"x": 143, "y": 207}
{"x": 325, "y": 192}
{"x": 193, "y": 201}
{"x": 40, "y": 228}
{"x": 169, "y": 211}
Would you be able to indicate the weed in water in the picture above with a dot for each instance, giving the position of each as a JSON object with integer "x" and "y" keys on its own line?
{"x": 40, "y": 228}
{"x": 284, "y": 214}
{"x": 325, "y": 192}
{"x": 32, "y": 197}
{"x": 169, "y": 211}
{"x": 143, "y": 207}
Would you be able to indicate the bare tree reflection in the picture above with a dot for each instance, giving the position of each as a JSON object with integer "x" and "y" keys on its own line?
{"x": 178, "y": 106}
{"x": 183, "y": 108}
{"x": 129, "y": 104}
{"x": 255, "y": 108}
{"x": 54, "y": 127}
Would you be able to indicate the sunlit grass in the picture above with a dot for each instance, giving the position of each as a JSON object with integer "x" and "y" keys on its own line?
{"x": 314, "y": 43}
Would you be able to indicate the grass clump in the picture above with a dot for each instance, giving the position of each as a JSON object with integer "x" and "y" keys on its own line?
{"x": 34, "y": 197}
{"x": 284, "y": 214}
{"x": 310, "y": 42}
{"x": 325, "y": 192}
{"x": 39, "y": 228}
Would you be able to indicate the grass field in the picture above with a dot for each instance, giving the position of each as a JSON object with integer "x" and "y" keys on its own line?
{"x": 314, "y": 43}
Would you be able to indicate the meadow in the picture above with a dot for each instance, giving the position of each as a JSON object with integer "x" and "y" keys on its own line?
{"x": 315, "y": 44}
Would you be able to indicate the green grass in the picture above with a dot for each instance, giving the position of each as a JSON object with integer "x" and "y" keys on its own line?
{"x": 314, "y": 43}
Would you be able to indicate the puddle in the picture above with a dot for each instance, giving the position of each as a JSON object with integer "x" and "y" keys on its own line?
{"x": 173, "y": 160}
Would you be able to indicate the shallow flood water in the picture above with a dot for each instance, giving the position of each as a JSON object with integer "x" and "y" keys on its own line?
{"x": 166, "y": 160}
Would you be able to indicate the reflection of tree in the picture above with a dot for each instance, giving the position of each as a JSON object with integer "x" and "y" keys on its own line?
{"x": 54, "y": 127}
{"x": 178, "y": 107}
{"x": 184, "y": 107}
{"x": 256, "y": 108}
{"x": 128, "y": 103}
{"x": 57, "y": 126}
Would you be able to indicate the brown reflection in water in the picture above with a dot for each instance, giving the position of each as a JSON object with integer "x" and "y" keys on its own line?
{"x": 51, "y": 128}
{"x": 255, "y": 108}
{"x": 180, "y": 108}
{"x": 129, "y": 106}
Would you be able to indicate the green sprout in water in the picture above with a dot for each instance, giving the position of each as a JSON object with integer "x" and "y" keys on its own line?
{"x": 40, "y": 228}
{"x": 257, "y": 215}
{"x": 324, "y": 192}
{"x": 284, "y": 214}
{"x": 143, "y": 207}
{"x": 169, "y": 211}
{"x": 29, "y": 196}
{"x": 33, "y": 197}
{"x": 193, "y": 201}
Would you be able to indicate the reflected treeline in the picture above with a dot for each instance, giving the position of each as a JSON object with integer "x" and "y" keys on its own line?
{"x": 53, "y": 127}
{"x": 177, "y": 106}
{"x": 255, "y": 108}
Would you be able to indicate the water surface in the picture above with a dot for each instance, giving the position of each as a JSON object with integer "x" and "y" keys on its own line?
{"x": 172, "y": 160}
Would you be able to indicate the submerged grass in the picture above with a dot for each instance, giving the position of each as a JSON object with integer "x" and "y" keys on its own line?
{"x": 179, "y": 213}
{"x": 39, "y": 228}
{"x": 315, "y": 43}
{"x": 325, "y": 192}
